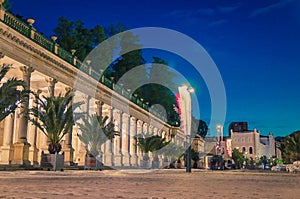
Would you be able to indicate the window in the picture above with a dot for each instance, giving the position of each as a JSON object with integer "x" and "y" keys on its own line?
{"x": 244, "y": 149}
{"x": 250, "y": 150}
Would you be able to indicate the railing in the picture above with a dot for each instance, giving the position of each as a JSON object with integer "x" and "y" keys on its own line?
{"x": 28, "y": 31}
{"x": 17, "y": 24}
{"x": 43, "y": 41}
{"x": 65, "y": 55}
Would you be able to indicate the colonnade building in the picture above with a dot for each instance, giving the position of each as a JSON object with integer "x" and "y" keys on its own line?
{"x": 48, "y": 69}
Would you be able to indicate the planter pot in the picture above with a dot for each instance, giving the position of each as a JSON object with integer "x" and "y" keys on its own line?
{"x": 155, "y": 164}
{"x": 91, "y": 162}
{"x": 165, "y": 164}
{"x": 52, "y": 161}
{"x": 145, "y": 164}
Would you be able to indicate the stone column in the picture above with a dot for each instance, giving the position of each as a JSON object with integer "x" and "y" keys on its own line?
{"x": 109, "y": 153}
{"x": 21, "y": 148}
{"x": 155, "y": 130}
{"x": 51, "y": 85}
{"x": 99, "y": 108}
{"x": 126, "y": 140}
{"x": 67, "y": 147}
{"x": 32, "y": 136}
{"x": 132, "y": 145}
{"x": 99, "y": 112}
{"x": 7, "y": 149}
{"x": 145, "y": 128}
{"x": 140, "y": 131}
{"x": 87, "y": 99}
{"x": 118, "y": 141}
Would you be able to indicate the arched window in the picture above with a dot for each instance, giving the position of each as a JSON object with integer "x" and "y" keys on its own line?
{"x": 244, "y": 149}
{"x": 250, "y": 150}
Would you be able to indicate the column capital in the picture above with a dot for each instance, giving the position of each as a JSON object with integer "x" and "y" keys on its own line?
{"x": 51, "y": 81}
{"x": 27, "y": 70}
{"x": 99, "y": 103}
{"x": 69, "y": 89}
{"x": 86, "y": 97}
{"x": 126, "y": 115}
{"x": 37, "y": 91}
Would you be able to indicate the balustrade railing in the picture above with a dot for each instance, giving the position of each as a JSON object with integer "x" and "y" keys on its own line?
{"x": 17, "y": 24}
{"x": 43, "y": 41}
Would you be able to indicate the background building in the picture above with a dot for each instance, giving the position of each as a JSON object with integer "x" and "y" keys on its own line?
{"x": 251, "y": 142}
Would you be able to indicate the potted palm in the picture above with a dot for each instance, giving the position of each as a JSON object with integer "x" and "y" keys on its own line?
{"x": 55, "y": 118}
{"x": 157, "y": 146}
{"x": 149, "y": 143}
{"x": 95, "y": 131}
{"x": 143, "y": 142}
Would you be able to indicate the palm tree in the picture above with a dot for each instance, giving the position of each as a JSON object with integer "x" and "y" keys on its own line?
{"x": 54, "y": 116}
{"x": 95, "y": 131}
{"x": 150, "y": 143}
{"x": 10, "y": 95}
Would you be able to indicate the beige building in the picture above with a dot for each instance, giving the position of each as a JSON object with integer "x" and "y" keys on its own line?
{"x": 47, "y": 68}
{"x": 253, "y": 144}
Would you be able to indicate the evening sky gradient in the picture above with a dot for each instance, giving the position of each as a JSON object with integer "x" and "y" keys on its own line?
{"x": 255, "y": 45}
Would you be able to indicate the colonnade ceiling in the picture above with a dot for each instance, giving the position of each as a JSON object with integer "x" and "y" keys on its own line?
{"x": 38, "y": 81}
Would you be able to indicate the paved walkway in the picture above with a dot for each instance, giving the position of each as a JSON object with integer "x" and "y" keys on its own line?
{"x": 153, "y": 185}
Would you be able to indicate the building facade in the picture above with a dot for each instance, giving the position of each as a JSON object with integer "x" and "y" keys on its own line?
{"x": 252, "y": 143}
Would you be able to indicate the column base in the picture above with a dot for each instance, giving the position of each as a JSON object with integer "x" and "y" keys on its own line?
{"x": 108, "y": 159}
{"x": 21, "y": 154}
{"x": 7, "y": 153}
{"x": 69, "y": 154}
{"x": 134, "y": 160}
{"x": 126, "y": 159}
{"x": 80, "y": 157}
{"x": 118, "y": 160}
{"x": 33, "y": 155}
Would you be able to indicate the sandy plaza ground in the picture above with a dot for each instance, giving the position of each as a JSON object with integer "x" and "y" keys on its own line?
{"x": 153, "y": 185}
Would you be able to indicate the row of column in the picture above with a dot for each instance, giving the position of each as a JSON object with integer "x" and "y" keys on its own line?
{"x": 122, "y": 150}
{"x": 23, "y": 143}
{"x": 20, "y": 137}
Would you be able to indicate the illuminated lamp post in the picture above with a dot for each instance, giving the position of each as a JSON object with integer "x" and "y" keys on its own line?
{"x": 186, "y": 118}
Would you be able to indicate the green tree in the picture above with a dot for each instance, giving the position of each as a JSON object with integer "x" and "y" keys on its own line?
{"x": 10, "y": 94}
{"x": 162, "y": 93}
{"x": 95, "y": 131}
{"x": 237, "y": 157}
{"x": 251, "y": 163}
{"x": 73, "y": 35}
{"x": 54, "y": 116}
{"x": 290, "y": 147}
{"x": 127, "y": 60}
{"x": 263, "y": 160}
{"x": 199, "y": 127}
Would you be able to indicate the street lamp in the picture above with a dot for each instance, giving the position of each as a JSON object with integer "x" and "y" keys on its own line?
{"x": 186, "y": 117}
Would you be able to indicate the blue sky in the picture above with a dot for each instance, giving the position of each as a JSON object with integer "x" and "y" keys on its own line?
{"x": 255, "y": 44}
